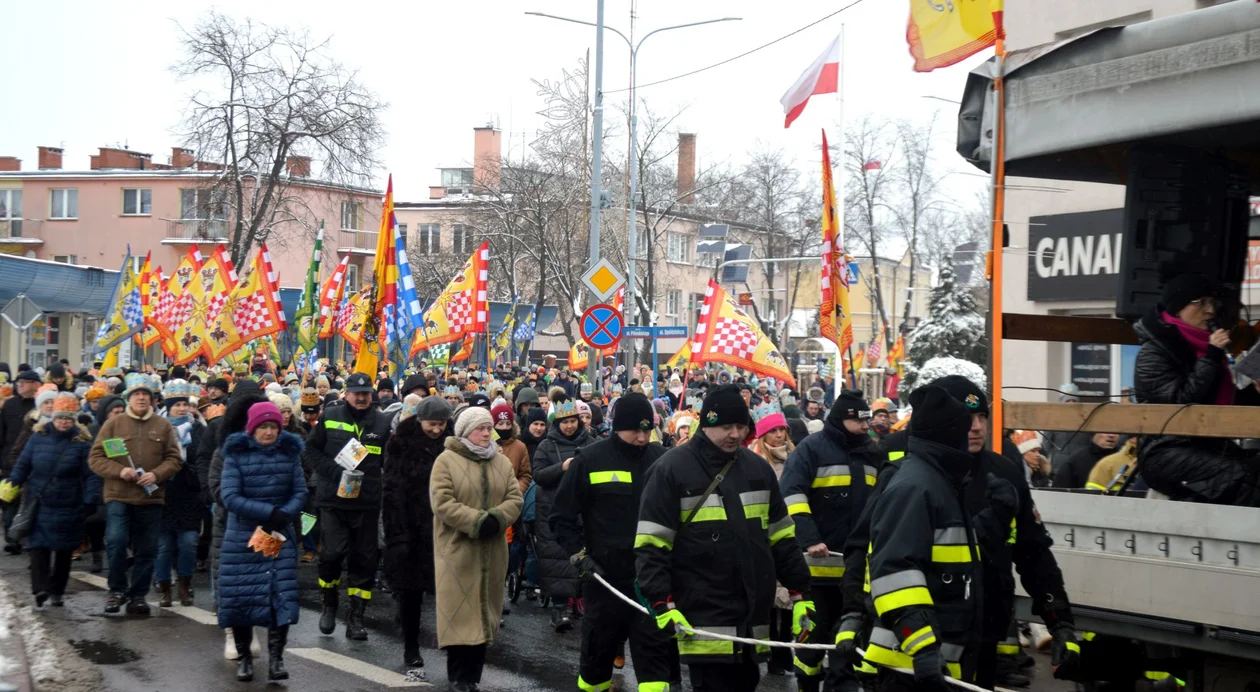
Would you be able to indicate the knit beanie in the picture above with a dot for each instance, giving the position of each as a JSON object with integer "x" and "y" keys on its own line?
{"x": 724, "y": 406}
{"x": 470, "y": 419}
{"x": 502, "y": 412}
{"x": 582, "y": 407}
{"x": 633, "y": 412}
{"x": 1183, "y": 289}
{"x": 410, "y": 405}
{"x": 263, "y": 412}
{"x": 433, "y": 408}
{"x": 965, "y": 391}
{"x": 282, "y": 401}
{"x": 535, "y": 415}
{"x": 848, "y": 406}
{"x": 45, "y": 396}
{"x": 939, "y": 417}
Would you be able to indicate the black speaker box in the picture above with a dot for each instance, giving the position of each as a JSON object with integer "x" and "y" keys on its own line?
{"x": 1185, "y": 211}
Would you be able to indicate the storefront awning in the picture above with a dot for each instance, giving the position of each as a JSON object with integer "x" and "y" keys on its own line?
{"x": 57, "y": 287}
{"x": 1076, "y": 107}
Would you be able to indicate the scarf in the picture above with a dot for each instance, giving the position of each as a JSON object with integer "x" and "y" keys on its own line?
{"x": 486, "y": 452}
{"x": 1200, "y": 341}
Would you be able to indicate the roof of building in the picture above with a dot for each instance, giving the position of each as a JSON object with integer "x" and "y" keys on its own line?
{"x": 57, "y": 287}
{"x": 137, "y": 173}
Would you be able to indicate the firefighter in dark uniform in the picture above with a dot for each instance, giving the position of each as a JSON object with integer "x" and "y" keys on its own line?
{"x": 825, "y": 484}
{"x": 594, "y": 518}
{"x": 348, "y": 525}
{"x": 1009, "y": 533}
{"x": 713, "y": 536}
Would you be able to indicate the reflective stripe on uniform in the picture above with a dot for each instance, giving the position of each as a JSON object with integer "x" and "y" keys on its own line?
{"x": 711, "y": 510}
{"x": 372, "y": 449}
{"x": 918, "y": 639}
{"x": 950, "y": 545}
{"x": 808, "y": 670}
{"x": 338, "y": 425}
{"x": 359, "y": 593}
{"x": 1009, "y": 647}
{"x": 329, "y": 584}
{"x": 761, "y": 632}
{"x": 870, "y": 474}
{"x": 756, "y": 505}
{"x": 797, "y": 504}
{"x": 900, "y": 589}
{"x": 651, "y": 533}
{"x": 893, "y": 456}
{"x": 831, "y": 566}
{"x": 832, "y": 476}
{"x": 700, "y": 646}
{"x": 593, "y": 687}
{"x": 783, "y": 528}
{"x": 1094, "y": 486}
{"x": 598, "y": 477}
{"x": 654, "y": 687}
{"x": 883, "y": 650}
{"x": 1014, "y": 534}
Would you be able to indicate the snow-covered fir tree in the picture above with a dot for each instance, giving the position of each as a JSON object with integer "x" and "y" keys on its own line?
{"x": 954, "y": 327}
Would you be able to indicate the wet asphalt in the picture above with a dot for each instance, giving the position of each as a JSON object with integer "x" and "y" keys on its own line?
{"x": 169, "y": 651}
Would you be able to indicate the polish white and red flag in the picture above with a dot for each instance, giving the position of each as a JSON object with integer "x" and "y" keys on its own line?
{"x": 823, "y": 77}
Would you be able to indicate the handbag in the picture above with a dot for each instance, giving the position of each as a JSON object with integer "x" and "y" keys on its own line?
{"x": 24, "y": 520}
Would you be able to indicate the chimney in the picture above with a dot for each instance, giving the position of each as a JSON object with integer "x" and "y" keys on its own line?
{"x": 113, "y": 157}
{"x": 298, "y": 166}
{"x": 181, "y": 157}
{"x": 49, "y": 158}
{"x": 686, "y": 167}
{"x": 437, "y": 192}
{"x": 487, "y": 158}
{"x": 10, "y": 164}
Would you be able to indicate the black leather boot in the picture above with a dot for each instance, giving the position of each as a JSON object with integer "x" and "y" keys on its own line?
{"x": 328, "y": 618}
{"x": 243, "y": 636}
{"x": 276, "y": 638}
{"x": 354, "y": 620}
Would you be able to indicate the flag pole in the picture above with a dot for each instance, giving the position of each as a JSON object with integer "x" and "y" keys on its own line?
{"x": 840, "y": 98}
{"x": 997, "y": 239}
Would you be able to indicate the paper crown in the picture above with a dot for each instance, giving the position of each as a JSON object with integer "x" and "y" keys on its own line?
{"x": 451, "y": 390}
{"x": 763, "y": 410}
{"x": 787, "y": 399}
{"x": 695, "y": 402}
{"x": 566, "y": 409}
{"x": 136, "y": 382}
{"x": 178, "y": 389}
{"x": 113, "y": 372}
{"x": 310, "y": 398}
{"x": 66, "y": 403}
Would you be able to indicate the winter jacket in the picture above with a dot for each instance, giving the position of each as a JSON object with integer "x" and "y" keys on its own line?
{"x": 336, "y": 427}
{"x": 925, "y": 572}
{"x": 556, "y": 577}
{"x": 518, "y": 454}
{"x": 597, "y": 504}
{"x": 255, "y": 589}
{"x": 406, "y": 510}
{"x": 102, "y": 409}
{"x": 68, "y": 498}
{"x": 183, "y": 509}
{"x": 1073, "y": 472}
{"x": 1198, "y": 468}
{"x": 12, "y": 413}
{"x": 825, "y": 484}
{"x": 797, "y": 430}
{"x": 465, "y": 491}
{"x": 152, "y": 446}
{"x": 720, "y": 569}
{"x": 211, "y": 438}
{"x": 28, "y": 428}
{"x": 531, "y": 444}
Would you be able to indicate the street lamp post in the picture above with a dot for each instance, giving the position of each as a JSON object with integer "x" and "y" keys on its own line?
{"x": 631, "y": 223}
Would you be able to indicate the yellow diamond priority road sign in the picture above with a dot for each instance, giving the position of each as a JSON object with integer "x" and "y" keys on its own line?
{"x": 603, "y": 279}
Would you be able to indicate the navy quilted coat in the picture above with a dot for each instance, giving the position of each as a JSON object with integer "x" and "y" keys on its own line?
{"x": 256, "y": 480}
{"x": 62, "y": 508}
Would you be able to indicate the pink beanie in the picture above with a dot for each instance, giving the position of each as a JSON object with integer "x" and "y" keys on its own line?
{"x": 765, "y": 425}
{"x": 263, "y": 412}
{"x": 583, "y": 407}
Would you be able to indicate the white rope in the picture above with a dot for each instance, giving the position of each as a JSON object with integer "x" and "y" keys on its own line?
{"x": 783, "y": 645}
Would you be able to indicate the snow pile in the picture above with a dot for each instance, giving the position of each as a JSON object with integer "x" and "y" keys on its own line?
{"x": 942, "y": 367}
{"x": 953, "y": 328}
{"x": 53, "y": 664}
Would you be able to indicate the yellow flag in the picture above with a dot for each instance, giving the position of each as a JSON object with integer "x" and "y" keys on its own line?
{"x": 943, "y": 32}
{"x": 683, "y": 356}
{"x": 206, "y": 294}
{"x": 727, "y": 334}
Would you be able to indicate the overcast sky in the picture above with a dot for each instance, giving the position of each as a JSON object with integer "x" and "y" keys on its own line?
{"x": 86, "y": 74}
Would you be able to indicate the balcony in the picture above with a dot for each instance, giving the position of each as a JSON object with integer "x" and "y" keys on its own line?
{"x": 354, "y": 242}
{"x": 20, "y": 232}
{"x": 190, "y": 231}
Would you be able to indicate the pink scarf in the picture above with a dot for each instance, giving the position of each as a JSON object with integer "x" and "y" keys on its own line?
{"x": 1199, "y": 340}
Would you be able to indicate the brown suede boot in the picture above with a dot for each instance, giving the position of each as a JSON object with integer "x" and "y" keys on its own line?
{"x": 185, "y": 591}
{"x": 164, "y": 588}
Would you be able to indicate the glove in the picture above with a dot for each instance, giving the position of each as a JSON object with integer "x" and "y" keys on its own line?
{"x": 489, "y": 527}
{"x": 802, "y": 625}
{"x": 846, "y": 640}
{"x": 1002, "y": 497}
{"x": 278, "y": 520}
{"x": 929, "y": 669}
{"x": 1065, "y": 653}
{"x": 585, "y": 564}
{"x": 672, "y": 620}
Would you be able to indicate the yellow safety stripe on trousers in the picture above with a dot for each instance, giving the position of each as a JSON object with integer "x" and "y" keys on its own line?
{"x": 1094, "y": 486}
{"x": 1008, "y": 649}
{"x": 600, "y": 477}
{"x": 832, "y": 476}
{"x": 711, "y": 510}
{"x": 797, "y": 504}
{"x": 596, "y": 687}
{"x": 329, "y": 584}
{"x": 359, "y": 593}
{"x": 756, "y": 505}
{"x": 654, "y": 687}
{"x": 883, "y": 649}
{"x": 808, "y": 670}
{"x": 830, "y": 567}
{"x": 705, "y": 647}
{"x": 783, "y": 528}
{"x": 845, "y": 635}
{"x": 918, "y": 639}
{"x": 1088, "y": 636}
{"x": 1011, "y": 539}
{"x": 1157, "y": 675}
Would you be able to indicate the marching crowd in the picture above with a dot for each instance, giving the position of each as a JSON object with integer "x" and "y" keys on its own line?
{"x": 724, "y": 506}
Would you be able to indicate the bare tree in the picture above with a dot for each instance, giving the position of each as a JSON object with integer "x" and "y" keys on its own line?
{"x": 917, "y": 210}
{"x": 270, "y": 93}
{"x": 869, "y": 165}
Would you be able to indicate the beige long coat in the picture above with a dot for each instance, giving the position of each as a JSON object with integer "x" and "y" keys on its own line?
{"x": 470, "y": 571}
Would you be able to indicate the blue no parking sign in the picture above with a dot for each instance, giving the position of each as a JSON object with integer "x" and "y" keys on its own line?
{"x": 601, "y": 326}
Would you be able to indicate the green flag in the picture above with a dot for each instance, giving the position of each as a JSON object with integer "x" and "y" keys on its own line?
{"x": 308, "y": 307}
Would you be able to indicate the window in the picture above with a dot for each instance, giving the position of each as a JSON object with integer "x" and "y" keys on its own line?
{"x": 679, "y": 248}
{"x": 53, "y": 334}
{"x": 428, "y": 239}
{"x": 352, "y": 278}
{"x": 672, "y": 300}
{"x": 137, "y": 202}
{"x": 772, "y": 309}
{"x": 200, "y": 204}
{"x": 351, "y": 216}
{"x": 462, "y": 239}
{"x": 67, "y": 259}
{"x": 65, "y": 204}
{"x": 641, "y": 244}
{"x": 693, "y": 306}
{"x": 10, "y": 213}
{"x": 402, "y": 231}
{"x": 707, "y": 259}
{"x": 457, "y": 177}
